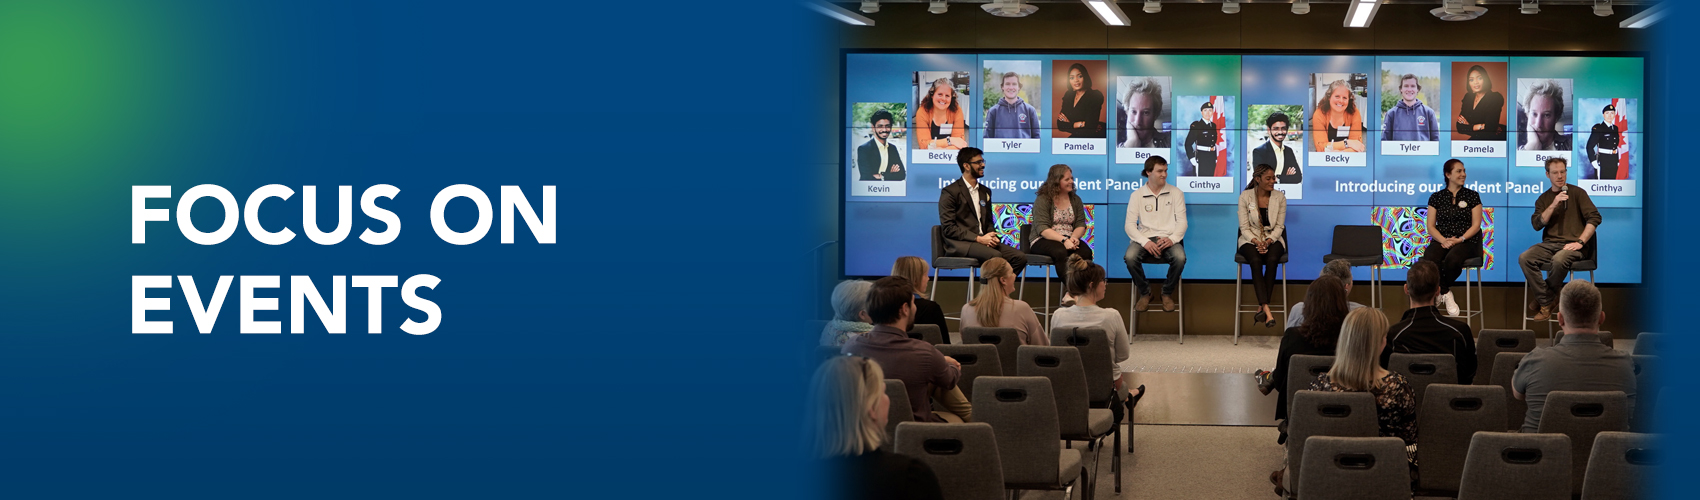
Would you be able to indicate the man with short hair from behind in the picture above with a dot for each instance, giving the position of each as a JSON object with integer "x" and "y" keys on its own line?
{"x": 926, "y": 373}
{"x": 1337, "y": 268}
{"x": 1423, "y": 330}
{"x": 1579, "y": 361}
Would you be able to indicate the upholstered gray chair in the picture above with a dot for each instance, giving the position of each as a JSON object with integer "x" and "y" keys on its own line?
{"x": 1504, "y": 366}
{"x": 1489, "y": 343}
{"x": 1582, "y": 415}
{"x": 978, "y": 360}
{"x": 1504, "y": 465}
{"x": 1449, "y": 416}
{"x": 1420, "y": 370}
{"x": 1355, "y": 468}
{"x": 1077, "y": 420}
{"x": 1005, "y": 339}
{"x": 964, "y": 457}
{"x": 1620, "y": 466}
{"x": 1318, "y": 413}
{"x": 1023, "y": 414}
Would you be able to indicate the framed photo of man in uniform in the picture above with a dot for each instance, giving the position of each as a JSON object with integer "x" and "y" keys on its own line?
{"x": 1202, "y": 160}
{"x": 1609, "y": 158}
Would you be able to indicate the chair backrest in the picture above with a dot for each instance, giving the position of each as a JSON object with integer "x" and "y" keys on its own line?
{"x": 1005, "y": 339}
{"x": 1021, "y": 233}
{"x": 1023, "y": 416}
{"x": 1647, "y": 343}
{"x": 1504, "y": 366}
{"x": 1511, "y": 465}
{"x": 1449, "y": 415}
{"x": 1582, "y": 415}
{"x": 1647, "y": 387}
{"x": 899, "y": 411}
{"x": 1357, "y": 241}
{"x": 926, "y": 333}
{"x": 964, "y": 457}
{"x": 1068, "y": 383}
{"x": 1420, "y": 370}
{"x": 1301, "y": 370}
{"x": 1492, "y": 342}
{"x": 938, "y": 243}
{"x": 1619, "y": 465}
{"x": 1355, "y": 468}
{"x": 826, "y": 352}
{"x": 978, "y": 360}
{"x": 1318, "y": 413}
{"x": 1096, "y": 357}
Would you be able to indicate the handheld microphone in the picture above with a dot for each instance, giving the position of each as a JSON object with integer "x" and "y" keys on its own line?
{"x": 1564, "y": 189}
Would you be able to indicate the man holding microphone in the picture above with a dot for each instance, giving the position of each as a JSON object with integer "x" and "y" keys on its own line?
{"x": 1566, "y": 218}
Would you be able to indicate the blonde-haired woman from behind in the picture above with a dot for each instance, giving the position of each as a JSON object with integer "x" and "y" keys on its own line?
{"x": 993, "y": 307}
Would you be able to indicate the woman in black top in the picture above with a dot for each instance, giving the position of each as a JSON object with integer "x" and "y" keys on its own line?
{"x": 1081, "y": 106}
{"x": 927, "y": 312}
{"x": 1454, "y": 230}
{"x": 1325, "y": 311}
{"x": 1478, "y": 114}
{"x": 847, "y": 420}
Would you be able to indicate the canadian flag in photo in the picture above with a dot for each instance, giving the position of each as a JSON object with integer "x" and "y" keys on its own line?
{"x": 1622, "y": 138}
{"x": 1221, "y": 138}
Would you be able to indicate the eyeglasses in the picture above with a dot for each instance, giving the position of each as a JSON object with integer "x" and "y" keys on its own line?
{"x": 980, "y": 162}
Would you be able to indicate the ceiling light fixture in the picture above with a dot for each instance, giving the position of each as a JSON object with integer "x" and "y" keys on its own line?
{"x": 839, "y": 13}
{"x": 1153, "y": 6}
{"x": 1009, "y": 8}
{"x": 870, "y": 6}
{"x": 1361, "y": 13}
{"x": 937, "y": 7}
{"x": 1455, "y": 10}
{"x": 1230, "y": 7}
{"x": 1301, "y": 7}
{"x": 1644, "y": 18}
{"x": 1107, "y": 12}
{"x": 1530, "y": 7}
{"x": 1602, "y": 8}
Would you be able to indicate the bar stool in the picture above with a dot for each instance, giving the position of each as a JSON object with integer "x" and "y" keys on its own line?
{"x": 942, "y": 262}
{"x": 1240, "y": 307}
{"x": 1588, "y": 264}
{"x": 1361, "y": 246}
{"x": 1473, "y": 306}
{"x": 1040, "y": 260}
{"x": 1180, "y": 301}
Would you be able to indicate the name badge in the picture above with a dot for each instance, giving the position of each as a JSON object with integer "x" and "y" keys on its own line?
{"x": 945, "y": 129}
{"x": 1151, "y": 208}
{"x": 1344, "y": 131}
{"x": 1463, "y": 204}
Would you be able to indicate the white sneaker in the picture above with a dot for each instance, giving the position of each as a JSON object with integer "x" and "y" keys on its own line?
{"x": 1451, "y": 305}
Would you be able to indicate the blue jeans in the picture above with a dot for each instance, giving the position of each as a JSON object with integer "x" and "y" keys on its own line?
{"x": 1174, "y": 256}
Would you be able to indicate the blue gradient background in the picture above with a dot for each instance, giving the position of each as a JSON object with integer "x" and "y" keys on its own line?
{"x": 609, "y": 363}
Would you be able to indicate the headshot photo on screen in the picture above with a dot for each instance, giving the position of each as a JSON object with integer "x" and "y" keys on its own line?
{"x": 1010, "y": 100}
{"x": 1206, "y": 149}
{"x": 1078, "y": 98}
{"x": 1480, "y": 115}
{"x": 1274, "y": 139}
{"x": 1543, "y": 116}
{"x": 1142, "y": 107}
{"x": 941, "y": 110}
{"x": 1338, "y": 105}
{"x": 1608, "y": 151}
{"x": 879, "y": 140}
{"x": 1410, "y": 102}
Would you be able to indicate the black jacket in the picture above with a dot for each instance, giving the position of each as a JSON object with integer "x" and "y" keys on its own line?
{"x": 868, "y": 161}
{"x": 1602, "y": 136}
{"x": 1203, "y": 134}
{"x": 1265, "y": 155}
{"x": 956, "y": 216}
{"x": 1425, "y": 331}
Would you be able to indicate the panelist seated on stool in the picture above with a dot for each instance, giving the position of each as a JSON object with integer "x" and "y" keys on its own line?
{"x": 1156, "y": 223}
{"x": 1567, "y": 218}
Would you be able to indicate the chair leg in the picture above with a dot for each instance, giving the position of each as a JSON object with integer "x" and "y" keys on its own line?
{"x": 1238, "y": 297}
{"x": 935, "y": 285}
{"x": 1048, "y": 300}
{"x": 1133, "y": 292}
{"x": 1116, "y": 460}
{"x": 1180, "y": 308}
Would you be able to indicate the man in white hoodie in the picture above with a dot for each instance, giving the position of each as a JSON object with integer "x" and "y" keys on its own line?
{"x": 1156, "y": 222}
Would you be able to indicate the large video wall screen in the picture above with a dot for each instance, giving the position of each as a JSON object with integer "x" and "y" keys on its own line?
{"x": 1369, "y": 135}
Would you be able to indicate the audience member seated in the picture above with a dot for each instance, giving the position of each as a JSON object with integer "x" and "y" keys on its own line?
{"x": 848, "y": 407}
{"x": 1316, "y": 336}
{"x": 1578, "y": 362}
{"x": 1355, "y": 370}
{"x": 849, "y": 313}
{"x": 927, "y": 312}
{"x": 1423, "y": 330}
{"x": 1087, "y": 285}
{"x": 1337, "y": 268}
{"x": 927, "y": 375}
{"x": 993, "y": 307}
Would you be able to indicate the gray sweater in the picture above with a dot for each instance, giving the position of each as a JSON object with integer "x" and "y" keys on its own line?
{"x": 1042, "y": 208}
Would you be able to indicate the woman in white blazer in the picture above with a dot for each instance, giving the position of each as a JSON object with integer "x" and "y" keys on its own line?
{"x": 1263, "y": 235}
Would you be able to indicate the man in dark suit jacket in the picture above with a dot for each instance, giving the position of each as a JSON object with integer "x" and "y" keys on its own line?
{"x": 965, "y": 215}
{"x": 868, "y": 155}
{"x": 1288, "y": 161}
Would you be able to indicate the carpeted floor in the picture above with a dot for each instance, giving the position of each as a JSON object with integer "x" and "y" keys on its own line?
{"x": 1190, "y": 462}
